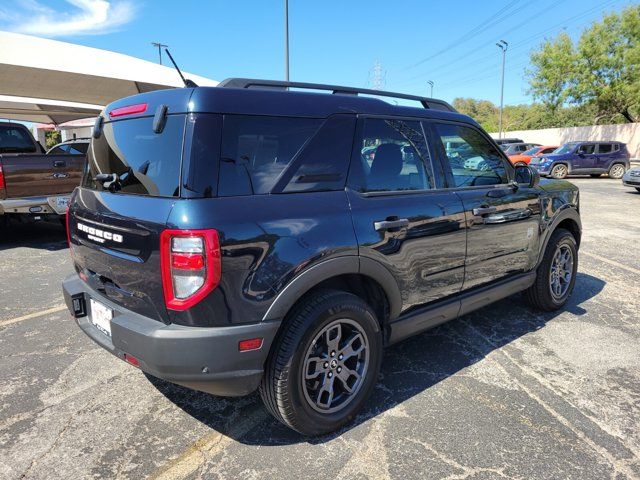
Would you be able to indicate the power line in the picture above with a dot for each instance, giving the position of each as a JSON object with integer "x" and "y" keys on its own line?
{"x": 497, "y": 17}
{"x": 516, "y": 46}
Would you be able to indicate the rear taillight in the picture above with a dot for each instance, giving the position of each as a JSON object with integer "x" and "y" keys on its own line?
{"x": 2, "y": 184}
{"x": 191, "y": 266}
{"x": 66, "y": 222}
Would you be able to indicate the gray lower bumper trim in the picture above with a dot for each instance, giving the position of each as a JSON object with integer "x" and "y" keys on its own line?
{"x": 202, "y": 358}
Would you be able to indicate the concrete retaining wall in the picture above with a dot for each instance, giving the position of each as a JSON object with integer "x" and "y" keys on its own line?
{"x": 628, "y": 133}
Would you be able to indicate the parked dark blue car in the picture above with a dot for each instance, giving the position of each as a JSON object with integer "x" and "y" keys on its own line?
{"x": 584, "y": 158}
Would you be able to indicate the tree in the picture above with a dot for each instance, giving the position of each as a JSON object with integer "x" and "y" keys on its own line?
{"x": 52, "y": 137}
{"x": 600, "y": 73}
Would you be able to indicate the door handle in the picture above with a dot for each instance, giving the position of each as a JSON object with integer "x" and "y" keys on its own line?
{"x": 478, "y": 212}
{"x": 59, "y": 163}
{"x": 389, "y": 224}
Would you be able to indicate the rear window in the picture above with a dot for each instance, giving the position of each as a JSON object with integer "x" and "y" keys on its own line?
{"x": 257, "y": 149}
{"x": 15, "y": 140}
{"x": 146, "y": 163}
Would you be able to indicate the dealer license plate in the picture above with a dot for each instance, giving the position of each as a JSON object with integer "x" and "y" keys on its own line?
{"x": 101, "y": 316}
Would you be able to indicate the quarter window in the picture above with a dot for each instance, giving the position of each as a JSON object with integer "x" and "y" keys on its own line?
{"x": 472, "y": 159}
{"x": 392, "y": 155}
{"x": 257, "y": 149}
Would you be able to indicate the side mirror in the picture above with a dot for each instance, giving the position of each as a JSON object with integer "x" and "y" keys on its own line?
{"x": 526, "y": 175}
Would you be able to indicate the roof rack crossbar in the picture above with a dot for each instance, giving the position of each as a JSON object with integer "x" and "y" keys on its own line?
{"x": 335, "y": 89}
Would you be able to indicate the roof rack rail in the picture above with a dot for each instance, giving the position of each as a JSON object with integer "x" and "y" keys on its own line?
{"x": 430, "y": 103}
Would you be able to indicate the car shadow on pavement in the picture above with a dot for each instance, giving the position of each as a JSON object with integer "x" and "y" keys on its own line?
{"x": 408, "y": 368}
{"x": 50, "y": 236}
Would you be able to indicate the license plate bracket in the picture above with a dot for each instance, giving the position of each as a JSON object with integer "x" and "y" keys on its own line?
{"x": 59, "y": 204}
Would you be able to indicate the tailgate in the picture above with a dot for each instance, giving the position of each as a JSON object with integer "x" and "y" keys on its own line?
{"x": 116, "y": 245}
{"x": 115, "y": 230}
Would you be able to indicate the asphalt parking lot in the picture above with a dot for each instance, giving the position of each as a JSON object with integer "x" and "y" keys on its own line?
{"x": 505, "y": 392}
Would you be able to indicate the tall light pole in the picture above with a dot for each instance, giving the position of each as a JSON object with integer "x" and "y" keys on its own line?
{"x": 502, "y": 45}
{"x": 160, "y": 46}
{"x": 430, "y": 82}
{"x": 286, "y": 40}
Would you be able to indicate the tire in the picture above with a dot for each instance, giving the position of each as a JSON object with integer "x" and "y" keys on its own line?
{"x": 559, "y": 171}
{"x": 541, "y": 295}
{"x": 308, "y": 332}
{"x": 595, "y": 175}
{"x": 616, "y": 171}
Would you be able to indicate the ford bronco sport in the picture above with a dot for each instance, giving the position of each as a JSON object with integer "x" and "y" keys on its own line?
{"x": 257, "y": 236}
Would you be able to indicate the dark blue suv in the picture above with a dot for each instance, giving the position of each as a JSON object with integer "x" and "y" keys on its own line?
{"x": 251, "y": 236}
{"x": 584, "y": 158}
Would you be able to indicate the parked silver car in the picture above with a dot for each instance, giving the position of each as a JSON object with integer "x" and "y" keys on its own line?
{"x": 632, "y": 178}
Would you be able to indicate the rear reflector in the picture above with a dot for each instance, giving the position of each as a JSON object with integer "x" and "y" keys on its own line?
{"x": 132, "y": 360}
{"x": 250, "y": 344}
{"x": 128, "y": 110}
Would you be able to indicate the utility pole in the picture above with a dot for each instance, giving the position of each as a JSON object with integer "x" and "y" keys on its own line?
{"x": 286, "y": 40}
{"x": 430, "y": 82}
{"x": 502, "y": 45}
{"x": 160, "y": 46}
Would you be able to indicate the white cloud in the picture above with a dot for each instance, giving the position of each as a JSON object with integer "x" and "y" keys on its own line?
{"x": 86, "y": 17}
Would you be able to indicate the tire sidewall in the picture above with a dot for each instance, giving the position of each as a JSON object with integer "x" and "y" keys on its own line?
{"x": 564, "y": 238}
{"x": 313, "y": 420}
{"x": 616, "y": 177}
{"x": 555, "y": 175}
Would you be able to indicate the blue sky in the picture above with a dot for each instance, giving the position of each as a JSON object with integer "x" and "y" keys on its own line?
{"x": 450, "y": 42}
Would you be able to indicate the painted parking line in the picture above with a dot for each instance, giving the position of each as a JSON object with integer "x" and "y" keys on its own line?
{"x": 611, "y": 262}
{"x": 59, "y": 308}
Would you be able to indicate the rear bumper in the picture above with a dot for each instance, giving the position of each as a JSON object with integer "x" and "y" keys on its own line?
{"x": 205, "y": 359}
{"x": 41, "y": 205}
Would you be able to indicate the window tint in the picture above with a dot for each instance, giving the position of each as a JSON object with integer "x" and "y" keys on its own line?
{"x": 58, "y": 150}
{"x": 476, "y": 161}
{"x": 323, "y": 163}
{"x": 15, "y": 139}
{"x": 548, "y": 150}
{"x": 587, "y": 149}
{"x": 146, "y": 163}
{"x": 256, "y": 150}
{"x": 79, "y": 148}
{"x": 605, "y": 148}
{"x": 393, "y": 155}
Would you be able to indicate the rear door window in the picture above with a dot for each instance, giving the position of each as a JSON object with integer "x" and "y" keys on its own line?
{"x": 605, "y": 148}
{"x": 257, "y": 149}
{"x": 146, "y": 163}
{"x": 392, "y": 155}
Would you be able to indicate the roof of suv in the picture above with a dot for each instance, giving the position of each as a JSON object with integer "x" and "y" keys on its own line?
{"x": 233, "y": 98}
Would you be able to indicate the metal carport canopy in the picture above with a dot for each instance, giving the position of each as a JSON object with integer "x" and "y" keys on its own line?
{"x": 57, "y": 77}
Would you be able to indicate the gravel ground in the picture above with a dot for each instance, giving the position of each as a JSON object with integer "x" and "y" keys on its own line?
{"x": 505, "y": 392}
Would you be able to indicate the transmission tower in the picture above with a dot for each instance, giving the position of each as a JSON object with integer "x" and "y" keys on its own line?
{"x": 377, "y": 76}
